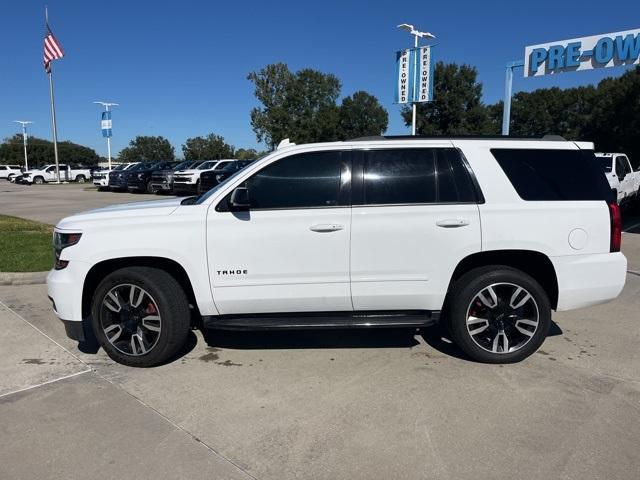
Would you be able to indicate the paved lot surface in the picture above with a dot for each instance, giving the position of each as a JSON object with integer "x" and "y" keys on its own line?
{"x": 315, "y": 405}
{"x": 49, "y": 203}
{"x": 378, "y": 404}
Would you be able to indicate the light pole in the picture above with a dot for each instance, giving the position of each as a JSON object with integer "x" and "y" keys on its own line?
{"x": 416, "y": 34}
{"x": 24, "y": 124}
{"x": 107, "y": 106}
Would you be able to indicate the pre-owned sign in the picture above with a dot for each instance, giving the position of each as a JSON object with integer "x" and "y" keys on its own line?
{"x": 587, "y": 53}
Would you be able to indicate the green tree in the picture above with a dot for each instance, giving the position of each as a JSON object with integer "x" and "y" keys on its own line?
{"x": 248, "y": 154}
{"x": 300, "y": 106}
{"x": 40, "y": 152}
{"x": 361, "y": 115}
{"x": 614, "y": 122}
{"x": 211, "y": 147}
{"x": 457, "y": 108}
{"x": 146, "y": 148}
{"x": 551, "y": 111}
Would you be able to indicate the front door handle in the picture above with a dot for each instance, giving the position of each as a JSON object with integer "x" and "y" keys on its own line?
{"x": 326, "y": 227}
{"x": 452, "y": 223}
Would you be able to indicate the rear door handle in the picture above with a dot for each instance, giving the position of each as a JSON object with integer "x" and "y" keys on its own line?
{"x": 326, "y": 227}
{"x": 452, "y": 223}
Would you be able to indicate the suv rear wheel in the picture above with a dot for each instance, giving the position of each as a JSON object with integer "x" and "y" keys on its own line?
{"x": 140, "y": 316}
{"x": 498, "y": 314}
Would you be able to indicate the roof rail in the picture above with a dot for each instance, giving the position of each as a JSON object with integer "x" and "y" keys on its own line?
{"x": 546, "y": 138}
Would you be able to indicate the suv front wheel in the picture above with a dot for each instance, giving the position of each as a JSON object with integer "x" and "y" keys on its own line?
{"x": 498, "y": 314}
{"x": 140, "y": 316}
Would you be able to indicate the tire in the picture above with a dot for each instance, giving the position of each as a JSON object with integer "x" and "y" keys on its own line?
{"x": 198, "y": 189}
{"x": 149, "y": 187}
{"x": 486, "y": 327}
{"x": 38, "y": 180}
{"x": 167, "y": 314}
{"x": 80, "y": 179}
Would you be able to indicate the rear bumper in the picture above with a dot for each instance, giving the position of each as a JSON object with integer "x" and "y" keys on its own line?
{"x": 585, "y": 280}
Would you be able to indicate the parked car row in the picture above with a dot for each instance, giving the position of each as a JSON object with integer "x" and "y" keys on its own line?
{"x": 178, "y": 178}
{"x": 45, "y": 174}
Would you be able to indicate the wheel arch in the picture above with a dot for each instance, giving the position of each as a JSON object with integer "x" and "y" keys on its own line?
{"x": 533, "y": 263}
{"x": 104, "y": 268}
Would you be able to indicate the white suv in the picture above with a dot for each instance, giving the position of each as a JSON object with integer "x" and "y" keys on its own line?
{"x": 8, "y": 171}
{"x": 487, "y": 235}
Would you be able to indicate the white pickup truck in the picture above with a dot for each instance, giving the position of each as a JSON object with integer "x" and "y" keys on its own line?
{"x": 48, "y": 174}
{"x": 623, "y": 176}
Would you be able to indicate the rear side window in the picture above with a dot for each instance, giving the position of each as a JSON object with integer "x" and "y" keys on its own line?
{"x": 416, "y": 175}
{"x": 307, "y": 180}
{"x": 553, "y": 174}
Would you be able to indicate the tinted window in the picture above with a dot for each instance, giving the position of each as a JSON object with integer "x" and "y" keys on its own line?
{"x": 553, "y": 174}
{"x": 635, "y": 163}
{"x": 605, "y": 163}
{"x": 622, "y": 166}
{"x": 405, "y": 176}
{"x": 305, "y": 180}
{"x": 453, "y": 180}
{"x": 400, "y": 176}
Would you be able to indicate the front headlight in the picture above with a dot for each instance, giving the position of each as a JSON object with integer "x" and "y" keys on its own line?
{"x": 60, "y": 242}
{"x": 140, "y": 176}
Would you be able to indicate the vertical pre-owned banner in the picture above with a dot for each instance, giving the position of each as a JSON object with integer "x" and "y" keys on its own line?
{"x": 414, "y": 75}
{"x": 106, "y": 124}
{"x": 424, "y": 89}
{"x": 404, "y": 70}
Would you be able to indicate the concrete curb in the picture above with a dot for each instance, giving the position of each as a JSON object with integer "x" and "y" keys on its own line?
{"x": 22, "y": 278}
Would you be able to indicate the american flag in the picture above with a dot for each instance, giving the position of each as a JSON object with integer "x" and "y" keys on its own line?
{"x": 52, "y": 49}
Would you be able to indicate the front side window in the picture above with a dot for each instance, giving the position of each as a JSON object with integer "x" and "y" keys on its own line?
{"x": 635, "y": 163}
{"x": 306, "y": 180}
{"x": 622, "y": 166}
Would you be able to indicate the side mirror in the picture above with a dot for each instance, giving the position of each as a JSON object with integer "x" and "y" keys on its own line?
{"x": 240, "y": 199}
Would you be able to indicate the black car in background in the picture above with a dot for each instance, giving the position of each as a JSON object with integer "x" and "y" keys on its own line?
{"x": 119, "y": 179}
{"x": 211, "y": 178}
{"x": 140, "y": 179}
{"x": 162, "y": 180}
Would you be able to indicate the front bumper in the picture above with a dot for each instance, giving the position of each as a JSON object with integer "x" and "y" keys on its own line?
{"x": 101, "y": 182}
{"x": 586, "y": 280}
{"x": 64, "y": 288}
{"x": 184, "y": 187}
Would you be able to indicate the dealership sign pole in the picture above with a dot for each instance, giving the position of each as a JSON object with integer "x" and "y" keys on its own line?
{"x": 414, "y": 73}
{"x": 574, "y": 55}
{"x": 106, "y": 126}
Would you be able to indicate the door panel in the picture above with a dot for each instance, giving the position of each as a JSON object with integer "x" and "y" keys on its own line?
{"x": 289, "y": 252}
{"x": 401, "y": 258}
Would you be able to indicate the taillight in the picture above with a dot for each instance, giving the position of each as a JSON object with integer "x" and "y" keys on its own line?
{"x": 616, "y": 227}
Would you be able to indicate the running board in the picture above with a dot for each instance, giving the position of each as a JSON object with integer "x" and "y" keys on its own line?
{"x": 322, "y": 320}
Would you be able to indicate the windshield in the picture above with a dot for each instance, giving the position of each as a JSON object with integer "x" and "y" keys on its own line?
{"x": 605, "y": 163}
{"x": 120, "y": 167}
{"x": 204, "y": 196}
{"x": 183, "y": 165}
{"x": 208, "y": 164}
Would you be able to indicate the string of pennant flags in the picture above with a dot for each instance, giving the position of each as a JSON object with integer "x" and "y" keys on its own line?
{"x": 414, "y": 75}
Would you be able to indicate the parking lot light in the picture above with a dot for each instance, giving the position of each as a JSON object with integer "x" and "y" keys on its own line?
{"x": 24, "y": 124}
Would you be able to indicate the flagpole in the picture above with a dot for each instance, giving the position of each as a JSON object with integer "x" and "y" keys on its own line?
{"x": 55, "y": 128}
{"x": 53, "y": 108}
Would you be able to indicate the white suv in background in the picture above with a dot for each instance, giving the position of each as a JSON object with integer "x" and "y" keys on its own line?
{"x": 8, "y": 171}
{"x": 623, "y": 176}
{"x": 485, "y": 235}
{"x": 188, "y": 181}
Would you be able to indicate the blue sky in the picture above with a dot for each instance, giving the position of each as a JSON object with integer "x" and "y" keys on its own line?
{"x": 179, "y": 69}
